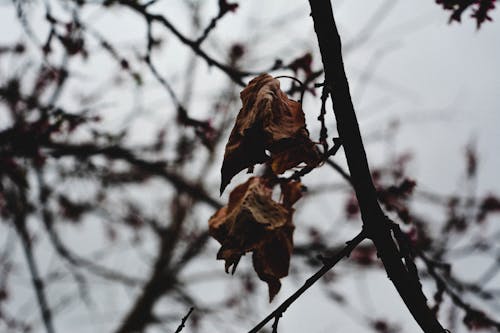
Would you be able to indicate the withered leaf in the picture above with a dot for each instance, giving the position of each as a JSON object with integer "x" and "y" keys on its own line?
{"x": 253, "y": 222}
{"x": 268, "y": 120}
{"x": 291, "y": 192}
{"x": 291, "y": 157}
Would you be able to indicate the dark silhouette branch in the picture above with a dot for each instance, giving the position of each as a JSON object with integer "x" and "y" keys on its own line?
{"x": 224, "y": 8}
{"x": 233, "y": 73}
{"x": 328, "y": 263}
{"x": 38, "y": 284}
{"x": 340, "y": 170}
{"x": 374, "y": 220}
{"x": 183, "y": 321}
{"x": 445, "y": 286}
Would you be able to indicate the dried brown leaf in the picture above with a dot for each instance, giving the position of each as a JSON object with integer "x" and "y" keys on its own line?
{"x": 291, "y": 192}
{"x": 294, "y": 155}
{"x": 253, "y": 222}
{"x": 268, "y": 120}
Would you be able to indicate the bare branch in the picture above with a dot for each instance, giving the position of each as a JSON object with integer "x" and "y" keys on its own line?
{"x": 374, "y": 220}
{"x": 156, "y": 168}
{"x": 183, "y": 321}
{"x": 328, "y": 263}
{"x": 38, "y": 284}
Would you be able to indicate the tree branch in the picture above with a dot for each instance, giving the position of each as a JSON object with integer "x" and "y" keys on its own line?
{"x": 162, "y": 278}
{"x": 156, "y": 168}
{"x": 328, "y": 263}
{"x": 183, "y": 321}
{"x": 233, "y": 73}
{"x": 445, "y": 286}
{"x": 38, "y": 284}
{"x": 374, "y": 220}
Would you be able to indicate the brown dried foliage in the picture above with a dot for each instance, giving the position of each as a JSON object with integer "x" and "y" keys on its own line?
{"x": 268, "y": 120}
{"x": 253, "y": 222}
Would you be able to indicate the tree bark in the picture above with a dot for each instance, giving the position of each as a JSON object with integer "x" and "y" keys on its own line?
{"x": 375, "y": 223}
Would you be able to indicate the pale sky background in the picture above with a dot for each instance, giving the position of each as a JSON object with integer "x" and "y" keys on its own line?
{"x": 440, "y": 80}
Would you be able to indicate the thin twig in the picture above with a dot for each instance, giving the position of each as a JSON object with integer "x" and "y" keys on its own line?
{"x": 323, "y": 136}
{"x": 233, "y": 73}
{"x": 456, "y": 297}
{"x": 328, "y": 263}
{"x": 38, "y": 284}
{"x": 183, "y": 321}
{"x": 276, "y": 322}
{"x": 340, "y": 170}
{"x": 224, "y": 8}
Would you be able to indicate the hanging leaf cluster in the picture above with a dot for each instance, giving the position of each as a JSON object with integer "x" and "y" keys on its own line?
{"x": 270, "y": 128}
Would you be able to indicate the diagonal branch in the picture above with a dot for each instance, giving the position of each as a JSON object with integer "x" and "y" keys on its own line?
{"x": 233, "y": 73}
{"x": 471, "y": 312}
{"x": 224, "y": 8}
{"x": 183, "y": 321}
{"x": 38, "y": 284}
{"x": 374, "y": 220}
{"x": 328, "y": 263}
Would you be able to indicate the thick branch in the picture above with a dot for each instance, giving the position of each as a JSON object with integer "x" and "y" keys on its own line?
{"x": 374, "y": 220}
